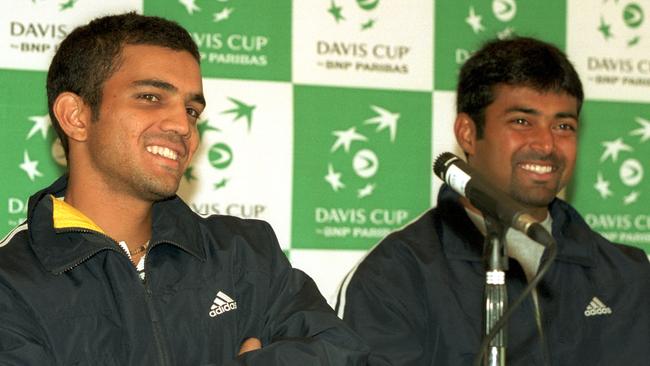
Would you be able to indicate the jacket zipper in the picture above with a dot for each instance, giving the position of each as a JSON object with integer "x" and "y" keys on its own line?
{"x": 75, "y": 264}
{"x": 163, "y": 356}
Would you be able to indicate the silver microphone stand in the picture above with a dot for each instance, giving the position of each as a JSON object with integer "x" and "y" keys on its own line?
{"x": 496, "y": 296}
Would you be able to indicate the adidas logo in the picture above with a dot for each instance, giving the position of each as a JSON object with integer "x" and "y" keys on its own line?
{"x": 221, "y": 304}
{"x": 596, "y": 307}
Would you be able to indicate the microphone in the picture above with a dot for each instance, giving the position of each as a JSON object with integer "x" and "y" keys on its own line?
{"x": 489, "y": 200}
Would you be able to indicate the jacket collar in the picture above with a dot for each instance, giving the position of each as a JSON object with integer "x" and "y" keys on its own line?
{"x": 575, "y": 240}
{"x": 62, "y": 237}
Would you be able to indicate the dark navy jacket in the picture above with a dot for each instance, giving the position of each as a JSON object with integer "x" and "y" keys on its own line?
{"x": 71, "y": 296}
{"x": 417, "y": 298}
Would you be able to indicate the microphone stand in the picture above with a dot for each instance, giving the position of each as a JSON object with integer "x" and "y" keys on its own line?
{"x": 496, "y": 296}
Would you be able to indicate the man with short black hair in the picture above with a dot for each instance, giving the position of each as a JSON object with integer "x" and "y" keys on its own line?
{"x": 418, "y": 296}
{"x": 111, "y": 267}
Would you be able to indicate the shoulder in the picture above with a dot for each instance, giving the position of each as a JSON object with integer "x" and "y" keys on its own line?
{"x": 14, "y": 248}
{"x": 402, "y": 252}
{"x": 225, "y": 226}
{"x": 17, "y": 235}
{"x": 614, "y": 259}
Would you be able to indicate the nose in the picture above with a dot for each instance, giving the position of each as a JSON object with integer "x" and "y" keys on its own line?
{"x": 543, "y": 140}
{"x": 177, "y": 121}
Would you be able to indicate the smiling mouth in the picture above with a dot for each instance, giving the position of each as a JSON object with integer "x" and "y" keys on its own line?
{"x": 537, "y": 168}
{"x": 165, "y": 152}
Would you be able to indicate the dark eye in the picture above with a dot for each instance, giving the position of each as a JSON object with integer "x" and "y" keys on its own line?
{"x": 150, "y": 97}
{"x": 567, "y": 127}
{"x": 521, "y": 121}
{"x": 193, "y": 112}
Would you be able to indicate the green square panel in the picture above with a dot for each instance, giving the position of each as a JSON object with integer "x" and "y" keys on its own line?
{"x": 611, "y": 187}
{"x": 30, "y": 149}
{"x": 462, "y": 26}
{"x": 362, "y": 161}
{"x": 234, "y": 40}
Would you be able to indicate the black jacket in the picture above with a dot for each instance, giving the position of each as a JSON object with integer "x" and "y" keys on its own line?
{"x": 417, "y": 298}
{"x": 70, "y": 296}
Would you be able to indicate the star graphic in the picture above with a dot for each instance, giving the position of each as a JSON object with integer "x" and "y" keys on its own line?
{"x": 604, "y": 28}
{"x": 474, "y": 21}
{"x": 366, "y": 191}
{"x": 336, "y": 12}
{"x": 223, "y": 15}
{"x": 633, "y": 41}
{"x": 30, "y": 167}
{"x": 384, "y": 119}
{"x": 367, "y": 25}
{"x": 612, "y": 148}
{"x": 602, "y": 186}
{"x": 67, "y": 5}
{"x": 242, "y": 110}
{"x": 334, "y": 178}
{"x": 345, "y": 138}
{"x": 644, "y": 131}
{"x": 506, "y": 33}
{"x": 190, "y": 6}
{"x": 203, "y": 127}
{"x": 221, "y": 184}
{"x": 41, "y": 123}
{"x": 631, "y": 198}
{"x": 189, "y": 174}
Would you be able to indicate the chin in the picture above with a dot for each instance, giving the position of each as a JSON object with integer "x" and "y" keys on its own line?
{"x": 535, "y": 199}
{"x": 159, "y": 192}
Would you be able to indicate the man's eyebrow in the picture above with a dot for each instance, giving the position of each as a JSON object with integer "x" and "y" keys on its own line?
{"x": 523, "y": 110}
{"x": 156, "y": 84}
{"x": 566, "y": 115}
{"x": 535, "y": 112}
{"x": 198, "y": 98}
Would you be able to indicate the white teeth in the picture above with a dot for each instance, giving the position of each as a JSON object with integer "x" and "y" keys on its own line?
{"x": 541, "y": 169}
{"x": 163, "y": 151}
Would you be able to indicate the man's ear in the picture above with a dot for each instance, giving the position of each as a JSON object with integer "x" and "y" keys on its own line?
{"x": 73, "y": 114}
{"x": 465, "y": 131}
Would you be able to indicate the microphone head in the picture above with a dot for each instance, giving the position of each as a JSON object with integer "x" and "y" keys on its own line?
{"x": 442, "y": 163}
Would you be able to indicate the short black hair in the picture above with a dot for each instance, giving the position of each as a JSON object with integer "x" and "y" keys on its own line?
{"x": 91, "y": 53}
{"x": 520, "y": 61}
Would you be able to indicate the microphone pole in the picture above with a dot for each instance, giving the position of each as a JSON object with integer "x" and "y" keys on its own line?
{"x": 496, "y": 294}
{"x": 500, "y": 212}
{"x": 495, "y": 212}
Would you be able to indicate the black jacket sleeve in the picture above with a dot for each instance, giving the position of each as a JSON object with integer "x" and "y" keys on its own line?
{"x": 380, "y": 303}
{"x": 300, "y": 328}
{"x": 22, "y": 341}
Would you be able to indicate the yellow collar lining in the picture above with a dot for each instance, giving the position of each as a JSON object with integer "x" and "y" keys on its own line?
{"x": 64, "y": 216}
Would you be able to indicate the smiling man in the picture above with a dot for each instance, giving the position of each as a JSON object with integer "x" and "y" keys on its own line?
{"x": 111, "y": 267}
{"x": 417, "y": 298}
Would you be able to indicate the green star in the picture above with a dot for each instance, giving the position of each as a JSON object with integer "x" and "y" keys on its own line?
{"x": 203, "y": 127}
{"x": 633, "y": 41}
{"x": 368, "y": 24}
{"x": 336, "y": 12}
{"x": 242, "y": 110}
{"x": 67, "y": 5}
{"x": 220, "y": 184}
{"x": 189, "y": 176}
{"x": 604, "y": 29}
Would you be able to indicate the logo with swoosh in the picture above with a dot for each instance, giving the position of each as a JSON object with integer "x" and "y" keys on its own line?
{"x": 353, "y": 164}
{"x": 220, "y": 155}
{"x": 360, "y": 13}
{"x": 504, "y": 11}
{"x": 219, "y": 10}
{"x": 621, "y": 170}
{"x": 621, "y": 22}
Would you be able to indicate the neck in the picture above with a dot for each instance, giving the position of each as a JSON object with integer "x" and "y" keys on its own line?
{"x": 122, "y": 216}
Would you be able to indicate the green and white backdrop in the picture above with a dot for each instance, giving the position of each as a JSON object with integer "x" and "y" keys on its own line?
{"x": 324, "y": 116}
